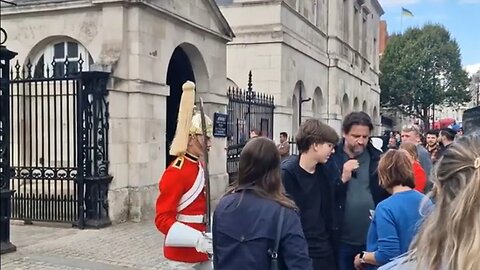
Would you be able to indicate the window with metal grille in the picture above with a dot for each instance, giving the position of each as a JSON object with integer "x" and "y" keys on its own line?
{"x": 62, "y": 58}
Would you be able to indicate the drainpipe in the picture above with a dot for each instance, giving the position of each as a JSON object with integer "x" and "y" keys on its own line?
{"x": 329, "y": 61}
{"x": 301, "y": 101}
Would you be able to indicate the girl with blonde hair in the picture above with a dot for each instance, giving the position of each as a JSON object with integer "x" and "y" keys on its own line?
{"x": 449, "y": 239}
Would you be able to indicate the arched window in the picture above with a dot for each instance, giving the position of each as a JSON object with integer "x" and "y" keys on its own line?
{"x": 356, "y": 105}
{"x": 62, "y": 58}
{"x": 318, "y": 107}
{"x": 345, "y": 105}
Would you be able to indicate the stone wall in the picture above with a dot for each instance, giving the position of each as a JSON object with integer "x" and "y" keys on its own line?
{"x": 135, "y": 43}
{"x": 314, "y": 53}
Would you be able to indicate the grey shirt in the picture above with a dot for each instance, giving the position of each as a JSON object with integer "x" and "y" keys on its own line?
{"x": 358, "y": 204}
{"x": 425, "y": 159}
{"x": 426, "y": 162}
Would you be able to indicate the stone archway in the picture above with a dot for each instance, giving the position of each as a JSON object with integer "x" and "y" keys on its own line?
{"x": 51, "y": 106}
{"x": 48, "y": 96}
{"x": 56, "y": 50}
{"x": 179, "y": 70}
{"x": 298, "y": 95}
{"x": 202, "y": 79}
{"x": 231, "y": 84}
{"x": 186, "y": 63}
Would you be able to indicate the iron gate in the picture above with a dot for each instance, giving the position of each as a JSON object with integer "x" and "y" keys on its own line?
{"x": 247, "y": 109}
{"x": 58, "y": 143}
{"x": 43, "y": 127}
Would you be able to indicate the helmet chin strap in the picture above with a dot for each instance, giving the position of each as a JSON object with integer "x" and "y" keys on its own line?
{"x": 199, "y": 144}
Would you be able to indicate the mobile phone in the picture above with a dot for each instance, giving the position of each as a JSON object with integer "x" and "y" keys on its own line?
{"x": 354, "y": 172}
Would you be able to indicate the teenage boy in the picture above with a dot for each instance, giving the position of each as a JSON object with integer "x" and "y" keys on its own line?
{"x": 306, "y": 181}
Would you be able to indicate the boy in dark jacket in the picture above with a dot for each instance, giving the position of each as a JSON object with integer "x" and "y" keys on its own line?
{"x": 306, "y": 181}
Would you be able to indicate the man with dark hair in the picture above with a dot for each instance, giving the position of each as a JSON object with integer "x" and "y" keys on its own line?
{"x": 392, "y": 143}
{"x": 446, "y": 136}
{"x": 255, "y": 132}
{"x": 283, "y": 146}
{"x": 432, "y": 146}
{"x": 305, "y": 179}
{"x": 357, "y": 190}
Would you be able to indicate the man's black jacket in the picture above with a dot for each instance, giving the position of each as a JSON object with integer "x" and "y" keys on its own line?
{"x": 335, "y": 166}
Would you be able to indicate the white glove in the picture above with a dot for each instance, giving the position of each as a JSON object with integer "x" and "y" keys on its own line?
{"x": 205, "y": 243}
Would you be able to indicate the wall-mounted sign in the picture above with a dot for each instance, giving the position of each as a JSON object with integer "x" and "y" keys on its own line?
{"x": 220, "y": 125}
{"x": 471, "y": 120}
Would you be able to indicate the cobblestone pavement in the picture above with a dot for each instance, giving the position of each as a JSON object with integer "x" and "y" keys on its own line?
{"x": 120, "y": 247}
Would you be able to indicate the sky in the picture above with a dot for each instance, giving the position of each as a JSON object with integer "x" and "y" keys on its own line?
{"x": 460, "y": 17}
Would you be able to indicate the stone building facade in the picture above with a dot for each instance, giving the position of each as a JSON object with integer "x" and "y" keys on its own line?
{"x": 325, "y": 50}
{"x": 150, "y": 47}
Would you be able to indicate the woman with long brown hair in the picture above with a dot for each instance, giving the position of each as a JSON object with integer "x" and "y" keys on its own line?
{"x": 247, "y": 218}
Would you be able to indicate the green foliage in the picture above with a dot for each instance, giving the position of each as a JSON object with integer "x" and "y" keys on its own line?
{"x": 422, "y": 67}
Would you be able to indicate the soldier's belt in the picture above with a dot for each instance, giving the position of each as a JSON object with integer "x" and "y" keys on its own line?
{"x": 191, "y": 218}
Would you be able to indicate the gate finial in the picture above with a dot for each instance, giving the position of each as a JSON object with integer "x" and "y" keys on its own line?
{"x": 250, "y": 81}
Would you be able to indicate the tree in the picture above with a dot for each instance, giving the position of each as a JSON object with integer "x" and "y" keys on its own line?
{"x": 420, "y": 69}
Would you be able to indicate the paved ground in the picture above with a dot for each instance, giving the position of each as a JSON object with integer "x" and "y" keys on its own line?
{"x": 119, "y": 247}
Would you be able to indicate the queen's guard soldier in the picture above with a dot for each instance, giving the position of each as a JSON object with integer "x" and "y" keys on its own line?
{"x": 182, "y": 204}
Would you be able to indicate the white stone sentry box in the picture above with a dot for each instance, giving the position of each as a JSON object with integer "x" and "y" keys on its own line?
{"x": 150, "y": 47}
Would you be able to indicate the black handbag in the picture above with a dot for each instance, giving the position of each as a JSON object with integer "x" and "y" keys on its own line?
{"x": 274, "y": 252}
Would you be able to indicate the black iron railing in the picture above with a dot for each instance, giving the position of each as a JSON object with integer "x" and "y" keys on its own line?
{"x": 93, "y": 159}
{"x": 58, "y": 127}
{"x": 247, "y": 110}
{"x": 43, "y": 129}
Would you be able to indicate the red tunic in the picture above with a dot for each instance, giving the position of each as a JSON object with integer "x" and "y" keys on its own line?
{"x": 420, "y": 177}
{"x": 177, "y": 179}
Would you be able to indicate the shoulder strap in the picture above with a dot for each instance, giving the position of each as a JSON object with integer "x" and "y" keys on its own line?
{"x": 274, "y": 252}
{"x": 279, "y": 229}
{"x": 193, "y": 192}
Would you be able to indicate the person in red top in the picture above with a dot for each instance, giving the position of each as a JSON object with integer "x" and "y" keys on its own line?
{"x": 418, "y": 172}
{"x": 181, "y": 205}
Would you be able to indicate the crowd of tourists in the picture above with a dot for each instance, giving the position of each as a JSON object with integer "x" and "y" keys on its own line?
{"x": 347, "y": 205}
{"x": 342, "y": 203}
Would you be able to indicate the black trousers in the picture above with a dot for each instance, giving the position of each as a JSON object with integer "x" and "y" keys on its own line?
{"x": 324, "y": 263}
